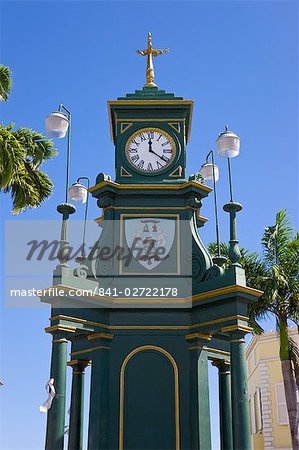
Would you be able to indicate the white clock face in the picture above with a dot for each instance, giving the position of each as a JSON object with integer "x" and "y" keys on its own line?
{"x": 150, "y": 150}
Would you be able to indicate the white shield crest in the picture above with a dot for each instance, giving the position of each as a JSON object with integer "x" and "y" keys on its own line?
{"x": 149, "y": 239}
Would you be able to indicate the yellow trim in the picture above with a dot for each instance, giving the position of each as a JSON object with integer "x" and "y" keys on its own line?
{"x": 238, "y": 340}
{"x": 124, "y": 172}
{"x": 157, "y": 301}
{"x": 150, "y": 208}
{"x": 113, "y": 300}
{"x": 174, "y": 173}
{"x": 150, "y": 119}
{"x": 220, "y": 363}
{"x": 227, "y": 290}
{"x": 158, "y": 208}
{"x": 176, "y": 391}
{"x": 148, "y": 327}
{"x": 100, "y": 335}
{"x": 151, "y": 186}
{"x": 73, "y": 362}
{"x": 211, "y": 350}
{"x": 75, "y": 319}
{"x": 68, "y": 328}
{"x": 87, "y": 350}
{"x": 207, "y": 337}
{"x": 123, "y": 130}
{"x": 223, "y": 319}
{"x": 150, "y": 102}
{"x": 237, "y": 328}
{"x": 201, "y": 218}
{"x": 173, "y": 125}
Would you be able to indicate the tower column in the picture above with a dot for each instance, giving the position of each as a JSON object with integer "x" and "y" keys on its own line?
{"x": 98, "y": 429}
{"x": 77, "y": 405}
{"x": 225, "y": 406}
{"x": 200, "y": 432}
{"x": 56, "y": 414}
{"x": 240, "y": 404}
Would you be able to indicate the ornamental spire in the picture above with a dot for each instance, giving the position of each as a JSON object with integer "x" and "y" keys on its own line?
{"x": 150, "y": 52}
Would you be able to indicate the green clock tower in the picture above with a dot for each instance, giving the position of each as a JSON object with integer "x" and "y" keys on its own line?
{"x": 161, "y": 308}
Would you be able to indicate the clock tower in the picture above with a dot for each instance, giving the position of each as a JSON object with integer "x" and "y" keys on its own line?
{"x": 161, "y": 308}
{"x": 150, "y": 130}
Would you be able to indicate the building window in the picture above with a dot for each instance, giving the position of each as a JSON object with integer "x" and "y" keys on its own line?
{"x": 256, "y": 412}
{"x": 281, "y": 406}
{"x": 252, "y": 415}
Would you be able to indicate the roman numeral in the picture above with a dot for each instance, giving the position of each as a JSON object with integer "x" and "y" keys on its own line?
{"x": 159, "y": 137}
{"x": 132, "y": 150}
{"x": 142, "y": 137}
{"x": 164, "y": 158}
{"x": 150, "y": 134}
{"x": 159, "y": 166}
{"x": 167, "y": 150}
{"x": 149, "y": 167}
{"x": 141, "y": 164}
{"x": 135, "y": 142}
{"x": 165, "y": 143}
{"x": 135, "y": 158}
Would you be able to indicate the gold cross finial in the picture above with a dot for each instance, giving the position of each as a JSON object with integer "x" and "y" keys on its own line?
{"x": 150, "y": 52}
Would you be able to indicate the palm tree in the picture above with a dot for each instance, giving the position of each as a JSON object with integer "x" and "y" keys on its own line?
{"x": 277, "y": 274}
{"x": 22, "y": 152}
{"x": 254, "y": 267}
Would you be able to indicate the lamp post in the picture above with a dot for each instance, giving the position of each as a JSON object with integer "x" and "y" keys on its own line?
{"x": 210, "y": 172}
{"x": 79, "y": 194}
{"x": 228, "y": 144}
{"x": 58, "y": 124}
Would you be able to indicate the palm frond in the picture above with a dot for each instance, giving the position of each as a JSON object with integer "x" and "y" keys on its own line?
{"x": 12, "y": 155}
{"x": 275, "y": 238}
{"x": 251, "y": 262}
{"x": 38, "y": 148}
{"x": 22, "y": 152}
{"x": 5, "y": 83}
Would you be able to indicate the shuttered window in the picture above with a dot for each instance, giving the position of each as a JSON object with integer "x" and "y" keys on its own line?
{"x": 252, "y": 415}
{"x": 258, "y": 410}
{"x": 281, "y": 407}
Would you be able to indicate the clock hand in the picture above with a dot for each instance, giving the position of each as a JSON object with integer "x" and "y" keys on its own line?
{"x": 161, "y": 157}
{"x": 152, "y": 151}
{"x": 150, "y": 145}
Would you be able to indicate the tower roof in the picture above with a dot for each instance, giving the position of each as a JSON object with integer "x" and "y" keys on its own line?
{"x": 152, "y": 103}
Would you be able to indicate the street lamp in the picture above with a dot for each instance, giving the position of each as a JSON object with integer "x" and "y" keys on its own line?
{"x": 228, "y": 144}
{"x": 210, "y": 172}
{"x": 79, "y": 193}
{"x": 58, "y": 124}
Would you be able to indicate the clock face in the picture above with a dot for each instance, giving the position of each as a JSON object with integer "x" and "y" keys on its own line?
{"x": 150, "y": 150}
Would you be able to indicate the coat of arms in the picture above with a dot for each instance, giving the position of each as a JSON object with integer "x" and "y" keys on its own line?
{"x": 150, "y": 239}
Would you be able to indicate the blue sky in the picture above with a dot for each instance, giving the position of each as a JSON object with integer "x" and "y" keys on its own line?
{"x": 237, "y": 60}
